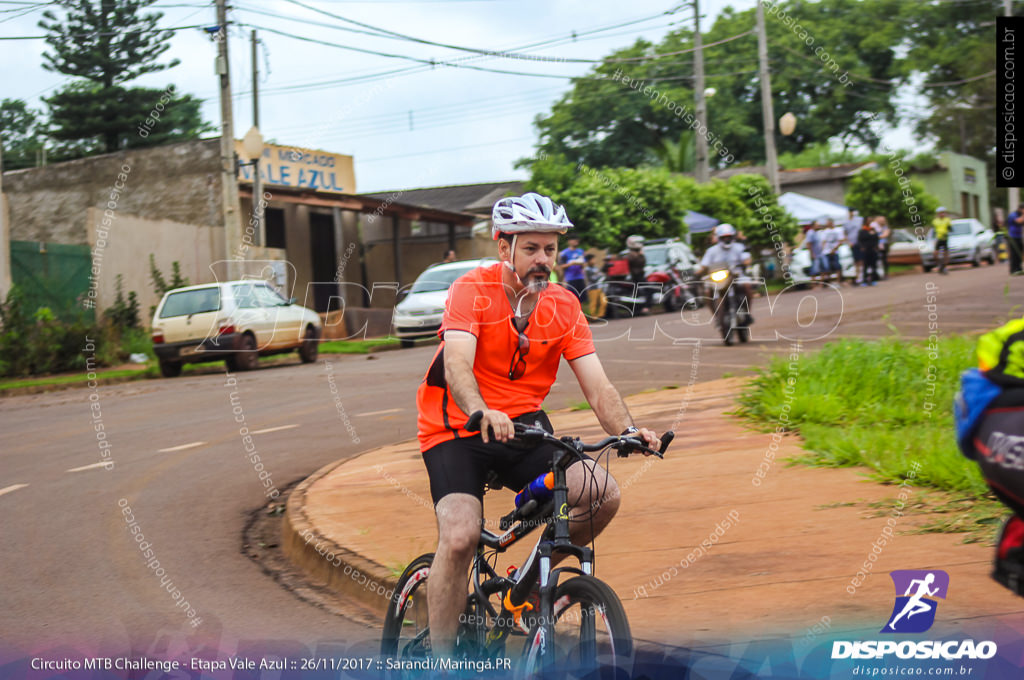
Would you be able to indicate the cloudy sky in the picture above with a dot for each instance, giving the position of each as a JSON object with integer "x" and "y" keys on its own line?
{"x": 407, "y": 124}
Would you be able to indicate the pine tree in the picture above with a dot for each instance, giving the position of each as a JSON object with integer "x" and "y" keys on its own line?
{"x": 104, "y": 44}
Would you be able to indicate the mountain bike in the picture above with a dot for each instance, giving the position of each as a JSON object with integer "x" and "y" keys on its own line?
{"x": 572, "y": 625}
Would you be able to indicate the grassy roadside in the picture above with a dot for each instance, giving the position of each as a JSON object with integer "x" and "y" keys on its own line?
{"x": 358, "y": 346}
{"x": 872, "y": 404}
{"x": 150, "y": 370}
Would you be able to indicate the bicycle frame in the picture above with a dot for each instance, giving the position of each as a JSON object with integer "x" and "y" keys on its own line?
{"x": 487, "y": 582}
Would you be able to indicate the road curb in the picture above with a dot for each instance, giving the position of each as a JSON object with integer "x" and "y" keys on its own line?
{"x": 324, "y": 561}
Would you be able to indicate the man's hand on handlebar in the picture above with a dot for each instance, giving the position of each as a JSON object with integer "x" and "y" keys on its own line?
{"x": 496, "y": 423}
{"x": 650, "y": 438}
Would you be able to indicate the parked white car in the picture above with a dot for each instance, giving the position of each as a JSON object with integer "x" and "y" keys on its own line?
{"x": 234, "y": 321}
{"x": 969, "y": 241}
{"x": 419, "y": 314}
{"x": 800, "y": 264}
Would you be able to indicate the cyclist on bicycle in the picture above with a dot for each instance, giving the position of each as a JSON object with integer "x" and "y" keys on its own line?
{"x": 504, "y": 331}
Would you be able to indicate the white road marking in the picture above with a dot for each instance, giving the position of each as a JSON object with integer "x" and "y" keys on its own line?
{"x": 274, "y": 429}
{"x": 181, "y": 448}
{"x": 108, "y": 463}
{"x": 380, "y": 413}
{"x": 12, "y": 487}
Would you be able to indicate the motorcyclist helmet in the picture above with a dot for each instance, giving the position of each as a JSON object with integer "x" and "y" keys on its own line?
{"x": 635, "y": 242}
{"x": 726, "y": 234}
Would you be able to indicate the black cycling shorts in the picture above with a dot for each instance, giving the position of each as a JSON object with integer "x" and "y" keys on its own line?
{"x": 941, "y": 244}
{"x": 462, "y": 465}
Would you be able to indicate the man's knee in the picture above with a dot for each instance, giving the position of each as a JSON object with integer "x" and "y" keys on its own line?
{"x": 458, "y": 525}
{"x": 459, "y": 542}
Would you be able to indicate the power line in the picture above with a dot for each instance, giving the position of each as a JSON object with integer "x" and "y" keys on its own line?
{"x": 96, "y": 34}
{"x": 429, "y": 62}
{"x": 587, "y": 34}
{"x": 383, "y": 32}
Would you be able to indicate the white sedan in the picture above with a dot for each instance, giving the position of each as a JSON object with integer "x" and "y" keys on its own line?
{"x": 969, "y": 241}
{"x": 419, "y": 314}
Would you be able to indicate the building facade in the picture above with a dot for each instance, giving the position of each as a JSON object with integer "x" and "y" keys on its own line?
{"x": 113, "y": 215}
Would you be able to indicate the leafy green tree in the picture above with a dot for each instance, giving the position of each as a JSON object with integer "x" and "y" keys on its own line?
{"x": 819, "y": 155}
{"x": 87, "y": 118}
{"x": 20, "y": 133}
{"x": 953, "y": 46}
{"x": 608, "y": 204}
{"x": 901, "y": 200}
{"x": 678, "y": 156}
{"x": 105, "y": 44}
{"x": 747, "y": 203}
{"x": 632, "y": 102}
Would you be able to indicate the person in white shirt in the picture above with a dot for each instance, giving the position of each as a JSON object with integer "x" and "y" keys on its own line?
{"x": 831, "y": 236}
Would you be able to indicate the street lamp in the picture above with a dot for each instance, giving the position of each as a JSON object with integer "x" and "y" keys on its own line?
{"x": 252, "y": 145}
{"x": 787, "y": 124}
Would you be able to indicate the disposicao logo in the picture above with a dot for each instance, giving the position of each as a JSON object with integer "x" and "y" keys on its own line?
{"x": 914, "y": 610}
{"x": 917, "y": 595}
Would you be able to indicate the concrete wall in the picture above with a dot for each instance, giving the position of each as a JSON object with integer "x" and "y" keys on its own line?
{"x": 127, "y": 251}
{"x": 179, "y": 183}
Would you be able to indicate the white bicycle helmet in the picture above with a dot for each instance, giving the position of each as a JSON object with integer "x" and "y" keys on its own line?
{"x": 528, "y": 213}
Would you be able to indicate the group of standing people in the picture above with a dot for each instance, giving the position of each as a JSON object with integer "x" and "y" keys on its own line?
{"x": 868, "y": 240}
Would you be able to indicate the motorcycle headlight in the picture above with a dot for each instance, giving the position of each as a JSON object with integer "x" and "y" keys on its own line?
{"x": 720, "y": 275}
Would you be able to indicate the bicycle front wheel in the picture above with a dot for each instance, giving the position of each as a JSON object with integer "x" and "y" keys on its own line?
{"x": 406, "y": 632}
{"x": 591, "y": 633}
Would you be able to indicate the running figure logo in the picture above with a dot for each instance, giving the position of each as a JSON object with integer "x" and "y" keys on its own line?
{"x": 914, "y": 610}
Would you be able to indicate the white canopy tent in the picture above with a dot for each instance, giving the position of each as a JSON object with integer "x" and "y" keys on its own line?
{"x": 808, "y": 209}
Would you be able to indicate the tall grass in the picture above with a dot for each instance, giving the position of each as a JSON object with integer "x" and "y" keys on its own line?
{"x": 881, "y": 404}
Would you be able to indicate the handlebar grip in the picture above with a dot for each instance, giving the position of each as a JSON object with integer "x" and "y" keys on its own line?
{"x": 666, "y": 439}
{"x": 473, "y": 424}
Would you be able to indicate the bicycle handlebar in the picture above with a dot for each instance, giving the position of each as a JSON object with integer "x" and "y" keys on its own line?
{"x": 624, "y": 444}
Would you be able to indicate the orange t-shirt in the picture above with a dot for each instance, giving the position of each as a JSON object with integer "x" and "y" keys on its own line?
{"x": 477, "y": 304}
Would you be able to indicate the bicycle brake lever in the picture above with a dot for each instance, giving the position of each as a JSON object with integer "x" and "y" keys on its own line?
{"x": 627, "y": 446}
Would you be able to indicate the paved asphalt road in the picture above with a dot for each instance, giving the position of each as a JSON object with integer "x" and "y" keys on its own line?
{"x": 75, "y": 578}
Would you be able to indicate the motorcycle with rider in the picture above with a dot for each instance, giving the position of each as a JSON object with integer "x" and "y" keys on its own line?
{"x": 728, "y": 287}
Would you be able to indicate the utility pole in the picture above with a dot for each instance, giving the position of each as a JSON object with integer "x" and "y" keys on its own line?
{"x": 228, "y": 173}
{"x": 702, "y": 110}
{"x": 5, "y": 236}
{"x": 767, "y": 112}
{"x": 257, "y": 183}
{"x": 1013, "y": 193}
